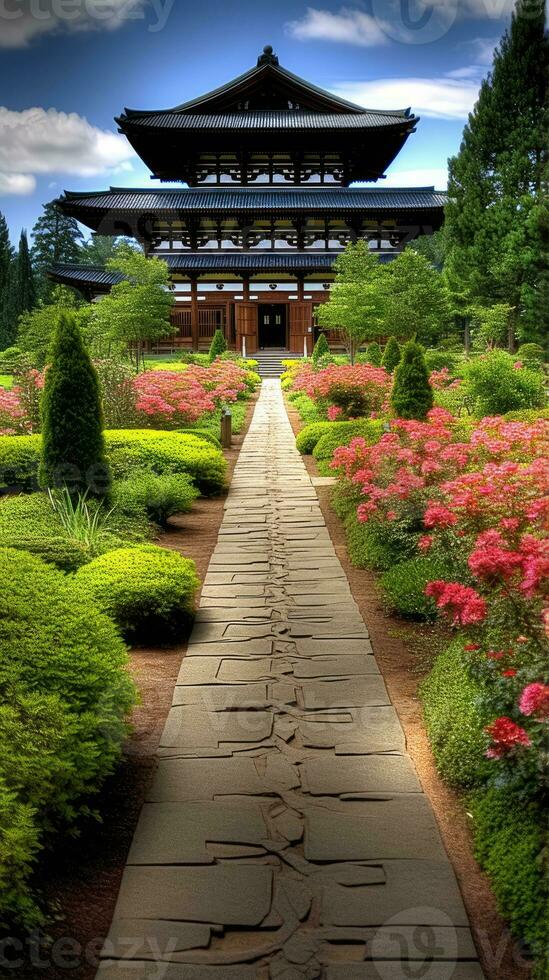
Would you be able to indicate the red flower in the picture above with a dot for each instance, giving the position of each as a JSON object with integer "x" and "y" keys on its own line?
{"x": 506, "y": 736}
{"x": 470, "y": 647}
{"x": 509, "y": 673}
{"x": 534, "y": 700}
{"x": 462, "y": 604}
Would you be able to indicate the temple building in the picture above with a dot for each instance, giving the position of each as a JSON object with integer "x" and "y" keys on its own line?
{"x": 267, "y": 163}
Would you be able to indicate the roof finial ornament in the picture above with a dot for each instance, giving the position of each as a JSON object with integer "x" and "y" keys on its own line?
{"x": 268, "y": 57}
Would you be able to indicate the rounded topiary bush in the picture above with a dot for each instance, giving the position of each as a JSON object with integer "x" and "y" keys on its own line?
{"x": 341, "y": 434}
{"x": 148, "y": 591}
{"x": 65, "y": 696}
{"x": 373, "y": 354}
{"x": 309, "y": 436}
{"x": 166, "y": 452}
{"x": 159, "y": 496}
{"x": 391, "y": 355}
{"x": 320, "y": 349}
{"x": 403, "y": 586}
{"x": 204, "y": 434}
{"x": 29, "y": 523}
{"x": 19, "y": 461}
{"x": 455, "y": 719}
{"x": 218, "y": 345}
{"x": 412, "y": 395}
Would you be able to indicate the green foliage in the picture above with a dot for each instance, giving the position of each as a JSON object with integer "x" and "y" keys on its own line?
{"x": 157, "y": 496}
{"x": 167, "y": 452}
{"x": 455, "y": 719}
{"x": 532, "y": 356}
{"x": 358, "y": 298}
{"x": 218, "y": 345}
{"x": 403, "y": 586}
{"x": 528, "y": 415}
{"x": 65, "y": 695}
{"x": 148, "y": 591}
{"x": 137, "y": 309}
{"x": 310, "y": 434}
{"x": 56, "y": 238}
{"x": 509, "y": 841}
{"x": 490, "y": 325}
{"x": 340, "y": 434}
{"x": 412, "y": 395}
{"x": 374, "y": 354}
{"x": 205, "y": 434}
{"x": 498, "y": 387}
{"x": 127, "y": 449}
{"x": 321, "y": 349}
{"x": 391, "y": 355}
{"x": 308, "y": 409}
{"x": 436, "y": 360}
{"x": 7, "y": 320}
{"x": 496, "y": 217}
{"x": 116, "y": 376}
{"x": 73, "y": 451}
{"x": 83, "y": 522}
{"x": 37, "y": 326}
{"x": 418, "y": 303}
{"x": 24, "y": 291}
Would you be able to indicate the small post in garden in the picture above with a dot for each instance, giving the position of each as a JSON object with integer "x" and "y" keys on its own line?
{"x": 226, "y": 428}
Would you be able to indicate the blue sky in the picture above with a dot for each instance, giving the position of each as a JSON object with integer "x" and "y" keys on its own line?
{"x": 68, "y": 66}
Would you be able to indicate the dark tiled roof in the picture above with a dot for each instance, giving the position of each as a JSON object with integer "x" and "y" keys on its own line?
{"x": 92, "y": 275}
{"x": 261, "y": 119}
{"x": 256, "y": 199}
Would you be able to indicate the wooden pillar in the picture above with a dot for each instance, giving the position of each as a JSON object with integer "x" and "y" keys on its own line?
{"x": 300, "y": 289}
{"x": 194, "y": 315}
{"x": 245, "y": 288}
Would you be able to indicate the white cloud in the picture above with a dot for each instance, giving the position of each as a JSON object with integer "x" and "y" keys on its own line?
{"x": 440, "y": 98}
{"x": 40, "y": 141}
{"x": 16, "y": 184}
{"x": 21, "y": 21}
{"x": 427, "y": 177}
{"x": 482, "y": 49}
{"x": 485, "y": 9}
{"x": 349, "y": 26}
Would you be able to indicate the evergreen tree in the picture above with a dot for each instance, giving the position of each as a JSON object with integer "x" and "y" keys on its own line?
{"x": 418, "y": 301}
{"x": 391, "y": 355}
{"x": 57, "y": 238}
{"x": 25, "y": 289}
{"x": 495, "y": 218}
{"x": 218, "y": 345}
{"x": 7, "y": 319}
{"x": 358, "y": 298}
{"x": 412, "y": 395}
{"x": 73, "y": 450}
{"x": 373, "y": 354}
{"x": 320, "y": 349}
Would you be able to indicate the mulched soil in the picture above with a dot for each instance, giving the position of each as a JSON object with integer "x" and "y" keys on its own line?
{"x": 80, "y": 879}
{"x": 404, "y": 653}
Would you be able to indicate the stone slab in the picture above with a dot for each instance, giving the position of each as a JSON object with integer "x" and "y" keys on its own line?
{"x": 359, "y": 774}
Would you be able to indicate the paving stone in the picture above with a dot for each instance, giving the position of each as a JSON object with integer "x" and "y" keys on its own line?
{"x": 361, "y": 732}
{"x": 401, "y": 827}
{"x": 356, "y": 692}
{"x": 204, "y": 779}
{"x": 346, "y": 665}
{"x": 400, "y": 971}
{"x": 235, "y": 895}
{"x": 334, "y": 776}
{"x": 147, "y": 939}
{"x": 191, "y": 725}
{"x": 150, "y": 971}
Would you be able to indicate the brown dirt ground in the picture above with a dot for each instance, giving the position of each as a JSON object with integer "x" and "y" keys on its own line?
{"x": 80, "y": 878}
{"x": 404, "y": 653}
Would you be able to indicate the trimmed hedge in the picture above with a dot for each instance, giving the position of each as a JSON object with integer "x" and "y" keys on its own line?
{"x": 454, "y": 719}
{"x": 127, "y": 449}
{"x": 148, "y": 591}
{"x": 341, "y": 434}
{"x": 204, "y": 434}
{"x": 403, "y": 586}
{"x": 157, "y": 496}
{"x": 509, "y": 835}
{"x": 65, "y": 695}
{"x": 307, "y": 439}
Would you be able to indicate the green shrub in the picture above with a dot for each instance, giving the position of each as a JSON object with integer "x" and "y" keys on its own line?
{"x": 403, "y": 586}
{"x": 166, "y": 452}
{"x": 65, "y": 695}
{"x": 373, "y": 354}
{"x": 148, "y": 591}
{"x": 455, "y": 719}
{"x": 391, "y": 355}
{"x": 218, "y": 345}
{"x": 366, "y": 544}
{"x": 509, "y": 835}
{"x": 411, "y": 395}
{"x": 436, "y": 360}
{"x": 528, "y": 415}
{"x": 340, "y": 434}
{"x": 498, "y": 387}
{"x": 73, "y": 448}
{"x": 19, "y": 461}
{"x": 158, "y": 496}
{"x": 204, "y": 434}
{"x": 28, "y": 523}
{"x": 309, "y": 436}
{"x": 306, "y": 407}
{"x": 532, "y": 356}
{"x": 320, "y": 349}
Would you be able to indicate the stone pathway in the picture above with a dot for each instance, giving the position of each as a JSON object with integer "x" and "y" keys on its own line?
{"x": 286, "y": 835}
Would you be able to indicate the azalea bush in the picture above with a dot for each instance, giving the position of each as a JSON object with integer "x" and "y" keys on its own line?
{"x": 343, "y": 391}
{"x": 170, "y": 399}
{"x": 20, "y": 405}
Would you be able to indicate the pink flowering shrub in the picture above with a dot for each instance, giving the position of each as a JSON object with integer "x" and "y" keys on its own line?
{"x": 170, "y": 399}
{"x": 20, "y": 406}
{"x": 356, "y": 390}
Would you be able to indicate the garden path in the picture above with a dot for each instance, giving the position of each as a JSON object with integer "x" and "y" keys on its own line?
{"x": 286, "y": 834}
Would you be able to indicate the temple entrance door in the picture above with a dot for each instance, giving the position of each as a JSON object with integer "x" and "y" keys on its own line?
{"x": 272, "y": 325}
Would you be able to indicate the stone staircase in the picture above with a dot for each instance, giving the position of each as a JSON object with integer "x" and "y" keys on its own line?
{"x": 270, "y": 361}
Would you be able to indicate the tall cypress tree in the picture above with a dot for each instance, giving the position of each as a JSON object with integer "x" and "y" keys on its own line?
{"x": 7, "y": 319}
{"x": 73, "y": 449}
{"x": 411, "y": 395}
{"x": 494, "y": 221}
{"x": 57, "y": 238}
{"x": 25, "y": 288}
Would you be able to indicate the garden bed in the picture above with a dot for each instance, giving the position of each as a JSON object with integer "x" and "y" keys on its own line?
{"x": 80, "y": 878}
